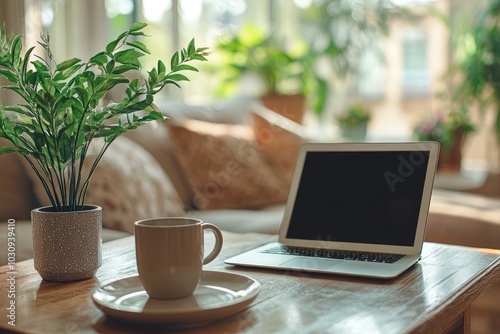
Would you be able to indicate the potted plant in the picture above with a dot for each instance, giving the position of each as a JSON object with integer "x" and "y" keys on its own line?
{"x": 59, "y": 120}
{"x": 287, "y": 73}
{"x": 479, "y": 62}
{"x": 354, "y": 122}
{"x": 450, "y": 130}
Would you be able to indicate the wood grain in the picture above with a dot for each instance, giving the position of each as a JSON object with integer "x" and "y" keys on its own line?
{"x": 434, "y": 296}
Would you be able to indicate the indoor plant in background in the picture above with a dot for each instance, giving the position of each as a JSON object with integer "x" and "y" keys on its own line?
{"x": 286, "y": 72}
{"x": 450, "y": 130}
{"x": 478, "y": 62}
{"x": 59, "y": 123}
{"x": 354, "y": 122}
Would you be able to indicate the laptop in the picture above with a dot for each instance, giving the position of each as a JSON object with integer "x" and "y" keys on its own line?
{"x": 353, "y": 209}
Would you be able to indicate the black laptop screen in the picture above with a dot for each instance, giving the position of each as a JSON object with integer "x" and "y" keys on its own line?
{"x": 360, "y": 197}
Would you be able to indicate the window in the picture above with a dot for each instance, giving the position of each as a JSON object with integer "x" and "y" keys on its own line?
{"x": 416, "y": 81}
{"x": 372, "y": 75}
{"x": 80, "y": 28}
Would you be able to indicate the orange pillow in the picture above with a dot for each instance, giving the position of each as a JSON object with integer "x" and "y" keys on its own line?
{"x": 224, "y": 166}
{"x": 279, "y": 140}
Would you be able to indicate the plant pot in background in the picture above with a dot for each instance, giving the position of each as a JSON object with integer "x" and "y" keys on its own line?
{"x": 67, "y": 245}
{"x": 355, "y": 133}
{"x": 290, "y": 106}
{"x": 450, "y": 158}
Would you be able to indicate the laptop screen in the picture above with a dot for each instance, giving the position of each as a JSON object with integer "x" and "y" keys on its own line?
{"x": 360, "y": 197}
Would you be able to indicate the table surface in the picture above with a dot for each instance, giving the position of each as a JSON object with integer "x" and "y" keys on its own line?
{"x": 433, "y": 296}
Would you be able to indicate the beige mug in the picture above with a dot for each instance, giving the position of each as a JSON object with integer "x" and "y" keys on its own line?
{"x": 170, "y": 255}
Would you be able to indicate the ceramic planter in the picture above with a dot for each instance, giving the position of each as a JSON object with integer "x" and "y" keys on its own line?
{"x": 67, "y": 245}
{"x": 355, "y": 132}
{"x": 450, "y": 158}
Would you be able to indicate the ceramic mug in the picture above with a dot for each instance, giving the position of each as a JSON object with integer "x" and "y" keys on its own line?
{"x": 169, "y": 253}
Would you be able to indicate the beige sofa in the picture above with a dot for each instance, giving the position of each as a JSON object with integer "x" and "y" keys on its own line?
{"x": 239, "y": 174}
{"x": 141, "y": 176}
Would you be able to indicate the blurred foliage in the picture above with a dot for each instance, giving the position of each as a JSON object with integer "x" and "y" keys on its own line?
{"x": 337, "y": 32}
{"x": 354, "y": 116}
{"x": 441, "y": 127}
{"x": 478, "y": 61}
{"x": 342, "y": 30}
{"x": 283, "y": 69}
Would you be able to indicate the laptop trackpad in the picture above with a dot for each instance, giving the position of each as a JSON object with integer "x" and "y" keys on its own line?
{"x": 308, "y": 263}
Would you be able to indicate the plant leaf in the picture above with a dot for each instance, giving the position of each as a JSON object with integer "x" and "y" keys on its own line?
{"x": 16, "y": 49}
{"x": 177, "y": 77}
{"x": 161, "y": 67}
{"x": 99, "y": 59}
{"x": 198, "y": 57}
{"x": 129, "y": 56}
{"x": 12, "y": 77}
{"x": 137, "y": 26}
{"x": 124, "y": 68}
{"x": 184, "y": 67}
{"x": 26, "y": 60}
{"x": 67, "y": 64}
{"x": 67, "y": 73}
{"x": 174, "y": 61}
{"x": 191, "y": 48}
{"x": 112, "y": 45}
{"x": 141, "y": 46}
{"x": 7, "y": 150}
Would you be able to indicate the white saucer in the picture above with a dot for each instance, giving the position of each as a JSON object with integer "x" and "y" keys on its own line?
{"x": 218, "y": 295}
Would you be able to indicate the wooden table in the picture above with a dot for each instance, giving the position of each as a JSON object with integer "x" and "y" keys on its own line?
{"x": 432, "y": 297}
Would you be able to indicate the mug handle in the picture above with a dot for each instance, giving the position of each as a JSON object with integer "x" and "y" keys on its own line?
{"x": 218, "y": 242}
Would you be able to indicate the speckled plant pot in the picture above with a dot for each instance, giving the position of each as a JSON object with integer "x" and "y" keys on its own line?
{"x": 67, "y": 245}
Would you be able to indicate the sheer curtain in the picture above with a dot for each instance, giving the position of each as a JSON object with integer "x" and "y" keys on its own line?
{"x": 12, "y": 15}
{"x": 77, "y": 28}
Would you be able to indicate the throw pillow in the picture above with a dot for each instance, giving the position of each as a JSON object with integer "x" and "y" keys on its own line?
{"x": 224, "y": 166}
{"x": 154, "y": 138}
{"x": 129, "y": 185}
{"x": 279, "y": 140}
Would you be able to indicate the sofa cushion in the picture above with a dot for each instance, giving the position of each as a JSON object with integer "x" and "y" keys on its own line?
{"x": 464, "y": 219}
{"x": 279, "y": 139}
{"x": 224, "y": 166}
{"x": 153, "y": 137}
{"x": 16, "y": 195}
{"x": 129, "y": 185}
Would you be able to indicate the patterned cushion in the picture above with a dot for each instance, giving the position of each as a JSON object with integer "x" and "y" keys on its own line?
{"x": 224, "y": 166}
{"x": 129, "y": 185}
{"x": 153, "y": 137}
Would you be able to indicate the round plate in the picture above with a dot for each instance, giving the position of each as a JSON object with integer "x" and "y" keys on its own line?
{"x": 218, "y": 295}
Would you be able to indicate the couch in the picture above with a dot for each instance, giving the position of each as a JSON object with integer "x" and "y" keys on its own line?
{"x": 228, "y": 164}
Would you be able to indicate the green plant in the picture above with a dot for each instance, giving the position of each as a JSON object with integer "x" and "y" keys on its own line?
{"x": 354, "y": 116}
{"x": 60, "y": 116}
{"x": 281, "y": 69}
{"x": 442, "y": 127}
{"x": 479, "y": 62}
{"x": 344, "y": 30}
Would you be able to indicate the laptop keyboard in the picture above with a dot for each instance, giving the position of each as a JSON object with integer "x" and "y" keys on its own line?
{"x": 335, "y": 254}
